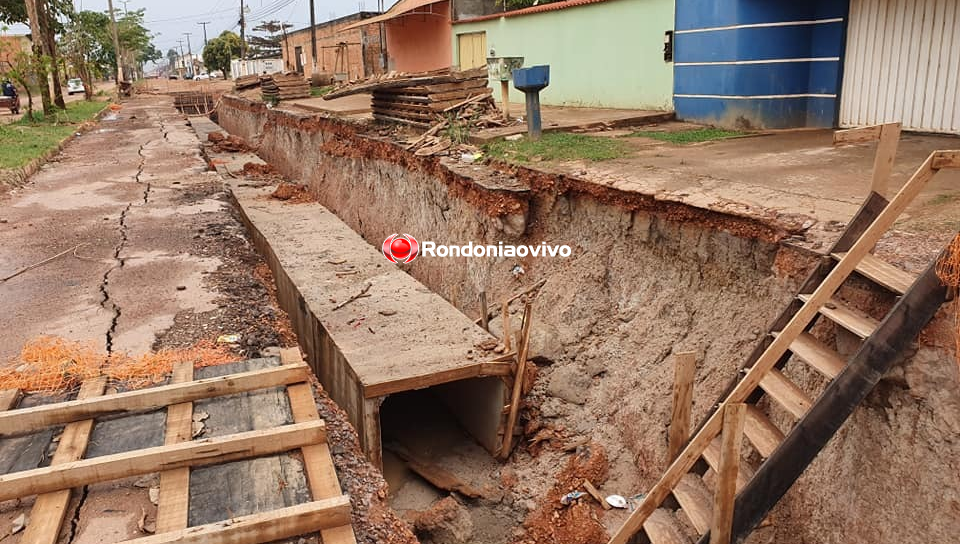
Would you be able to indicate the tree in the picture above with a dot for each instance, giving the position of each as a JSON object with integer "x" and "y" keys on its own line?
{"x": 20, "y": 67}
{"x": 87, "y": 44}
{"x": 219, "y": 51}
{"x": 172, "y": 57}
{"x": 264, "y": 47}
{"x": 135, "y": 43}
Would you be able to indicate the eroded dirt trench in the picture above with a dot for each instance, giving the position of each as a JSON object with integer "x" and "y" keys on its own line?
{"x": 645, "y": 280}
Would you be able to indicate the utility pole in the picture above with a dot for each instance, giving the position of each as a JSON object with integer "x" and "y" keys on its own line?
{"x": 313, "y": 43}
{"x": 383, "y": 40}
{"x": 116, "y": 46}
{"x": 243, "y": 33}
{"x": 182, "y": 64}
{"x": 189, "y": 54}
{"x": 124, "y": 2}
{"x": 204, "y": 25}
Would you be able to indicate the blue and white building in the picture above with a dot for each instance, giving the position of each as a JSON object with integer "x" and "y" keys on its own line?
{"x": 822, "y": 63}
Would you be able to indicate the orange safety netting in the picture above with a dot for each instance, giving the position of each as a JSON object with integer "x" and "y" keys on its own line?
{"x": 50, "y": 364}
{"x": 948, "y": 270}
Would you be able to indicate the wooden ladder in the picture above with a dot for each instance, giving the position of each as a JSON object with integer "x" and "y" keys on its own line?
{"x": 787, "y": 454}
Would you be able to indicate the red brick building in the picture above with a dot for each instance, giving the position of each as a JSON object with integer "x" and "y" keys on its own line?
{"x": 355, "y": 52}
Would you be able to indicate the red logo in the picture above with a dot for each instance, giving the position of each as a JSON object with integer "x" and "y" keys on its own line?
{"x": 400, "y": 248}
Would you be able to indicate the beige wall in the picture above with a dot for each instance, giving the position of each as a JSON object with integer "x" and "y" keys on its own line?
{"x": 420, "y": 42}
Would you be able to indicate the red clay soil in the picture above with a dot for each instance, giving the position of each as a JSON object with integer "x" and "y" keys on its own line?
{"x": 292, "y": 193}
{"x": 578, "y": 523}
{"x": 262, "y": 171}
{"x": 230, "y": 144}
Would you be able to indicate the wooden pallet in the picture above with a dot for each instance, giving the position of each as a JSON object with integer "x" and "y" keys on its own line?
{"x": 328, "y": 512}
{"x": 725, "y": 516}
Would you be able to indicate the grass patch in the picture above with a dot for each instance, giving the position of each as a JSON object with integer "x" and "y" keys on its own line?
{"x": 558, "y": 146}
{"x": 320, "y": 91}
{"x": 23, "y": 140}
{"x": 691, "y": 136}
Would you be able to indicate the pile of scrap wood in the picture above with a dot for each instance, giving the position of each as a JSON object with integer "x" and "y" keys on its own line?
{"x": 194, "y": 102}
{"x": 284, "y": 87}
{"x": 246, "y": 82}
{"x": 420, "y": 99}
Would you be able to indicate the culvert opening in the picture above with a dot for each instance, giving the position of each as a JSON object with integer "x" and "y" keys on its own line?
{"x": 441, "y": 478}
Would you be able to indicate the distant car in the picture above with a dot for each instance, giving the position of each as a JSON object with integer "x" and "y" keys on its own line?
{"x": 74, "y": 86}
{"x": 201, "y": 77}
{"x": 216, "y": 74}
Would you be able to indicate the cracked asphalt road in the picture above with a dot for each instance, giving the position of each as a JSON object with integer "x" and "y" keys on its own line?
{"x": 133, "y": 196}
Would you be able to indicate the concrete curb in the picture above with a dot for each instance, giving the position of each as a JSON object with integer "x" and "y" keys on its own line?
{"x": 17, "y": 177}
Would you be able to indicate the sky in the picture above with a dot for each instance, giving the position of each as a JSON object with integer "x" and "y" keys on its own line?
{"x": 170, "y": 19}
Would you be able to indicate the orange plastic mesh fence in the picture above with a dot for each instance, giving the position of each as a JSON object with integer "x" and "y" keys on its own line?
{"x": 948, "y": 270}
{"x": 49, "y": 364}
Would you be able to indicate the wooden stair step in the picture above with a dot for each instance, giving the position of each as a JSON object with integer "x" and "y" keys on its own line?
{"x": 761, "y": 432}
{"x": 841, "y": 314}
{"x": 712, "y": 456}
{"x": 696, "y": 501}
{"x": 883, "y": 273}
{"x": 786, "y": 393}
{"x": 816, "y": 354}
{"x": 662, "y": 528}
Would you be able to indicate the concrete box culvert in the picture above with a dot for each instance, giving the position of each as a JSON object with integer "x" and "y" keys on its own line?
{"x": 647, "y": 279}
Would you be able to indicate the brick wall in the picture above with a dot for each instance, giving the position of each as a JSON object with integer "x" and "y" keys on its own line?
{"x": 363, "y": 47}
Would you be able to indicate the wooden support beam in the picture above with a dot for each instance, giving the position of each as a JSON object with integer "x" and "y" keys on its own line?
{"x": 883, "y": 160}
{"x": 50, "y": 509}
{"x": 317, "y": 462}
{"x": 505, "y": 322}
{"x": 777, "y": 348}
{"x": 507, "y": 444}
{"x": 209, "y": 451}
{"x": 726, "y": 490}
{"x": 270, "y": 526}
{"x": 173, "y": 505}
{"x": 946, "y": 159}
{"x": 685, "y": 367}
{"x": 859, "y": 135}
{"x": 484, "y": 316}
{"x": 32, "y": 419}
{"x": 473, "y": 369}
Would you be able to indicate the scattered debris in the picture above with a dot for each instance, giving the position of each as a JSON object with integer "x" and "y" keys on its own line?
{"x": 18, "y": 524}
{"x": 596, "y": 494}
{"x": 615, "y": 501}
{"x": 291, "y": 192}
{"x": 437, "y": 476}
{"x": 154, "y": 493}
{"x": 568, "y": 499}
{"x": 361, "y": 294}
{"x": 228, "y": 338}
{"x": 227, "y": 143}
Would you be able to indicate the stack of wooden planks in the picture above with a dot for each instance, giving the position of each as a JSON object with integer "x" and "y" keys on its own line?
{"x": 419, "y": 99}
{"x": 246, "y": 82}
{"x": 284, "y": 87}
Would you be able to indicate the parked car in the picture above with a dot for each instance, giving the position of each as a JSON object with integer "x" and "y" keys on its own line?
{"x": 201, "y": 77}
{"x": 75, "y": 86}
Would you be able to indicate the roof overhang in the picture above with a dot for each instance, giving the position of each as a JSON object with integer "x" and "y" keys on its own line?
{"x": 400, "y": 9}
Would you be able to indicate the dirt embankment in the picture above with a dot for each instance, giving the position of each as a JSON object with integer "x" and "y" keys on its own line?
{"x": 645, "y": 280}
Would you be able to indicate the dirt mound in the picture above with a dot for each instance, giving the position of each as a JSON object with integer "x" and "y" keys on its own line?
{"x": 577, "y": 523}
{"x": 258, "y": 170}
{"x": 227, "y": 143}
{"x": 445, "y": 521}
{"x": 292, "y": 192}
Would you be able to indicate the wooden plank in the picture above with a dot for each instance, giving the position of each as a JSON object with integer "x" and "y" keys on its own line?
{"x": 661, "y": 528}
{"x": 209, "y": 451}
{"x": 517, "y": 381}
{"x": 278, "y": 524}
{"x": 816, "y": 354}
{"x": 838, "y": 401}
{"x": 883, "y": 273}
{"x": 761, "y": 432}
{"x": 694, "y": 499}
{"x": 848, "y": 318}
{"x": 173, "y": 505}
{"x": 8, "y": 399}
{"x": 317, "y": 462}
{"x": 857, "y": 135}
{"x": 725, "y": 493}
{"x": 883, "y": 160}
{"x": 50, "y": 509}
{"x": 797, "y": 324}
{"x": 685, "y": 368}
{"x": 712, "y": 456}
{"x": 32, "y": 419}
{"x": 413, "y": 81}
{"x": 946, "y": 159}
{"x": 786, "y": 393}
{"x": 595, "y": 493}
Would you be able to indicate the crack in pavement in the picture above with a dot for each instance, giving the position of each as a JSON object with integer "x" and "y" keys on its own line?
{"x": 105, "y": 301}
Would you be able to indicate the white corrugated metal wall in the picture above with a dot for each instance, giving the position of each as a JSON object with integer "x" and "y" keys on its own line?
{"x": 902, "y": 64}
